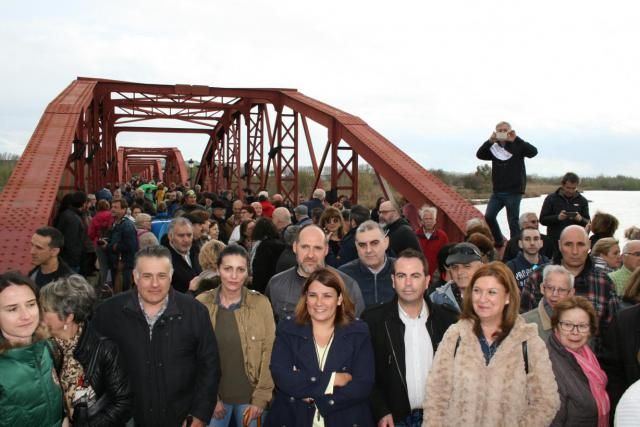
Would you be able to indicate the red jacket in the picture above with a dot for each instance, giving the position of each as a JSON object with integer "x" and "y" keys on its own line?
{"x": 99, "y": 225}
{"x": 267, "y": 209}
{"x": 431, "y": 246}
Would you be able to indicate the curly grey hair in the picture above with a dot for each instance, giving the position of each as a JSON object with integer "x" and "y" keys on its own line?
{"x": 69, "y": 295}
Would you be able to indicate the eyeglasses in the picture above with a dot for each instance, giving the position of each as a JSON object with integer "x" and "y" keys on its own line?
{"x": 632, "y": 253}
{"x": 552, "y": 290}
{"x": 582, "y": 328}
{"x": 385, "y": 212}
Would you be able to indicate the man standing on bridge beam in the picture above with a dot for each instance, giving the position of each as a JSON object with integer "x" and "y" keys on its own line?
{"x": 506, "y": 151}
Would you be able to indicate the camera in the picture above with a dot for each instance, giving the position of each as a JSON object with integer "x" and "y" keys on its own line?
{"x": 572, "y": 214}
{"x": 502, "y": 136}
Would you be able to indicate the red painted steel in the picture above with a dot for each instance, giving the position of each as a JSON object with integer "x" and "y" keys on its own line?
{"x": 254, "y": 138}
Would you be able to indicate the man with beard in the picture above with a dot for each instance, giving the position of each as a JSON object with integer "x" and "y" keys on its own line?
{"x": 529, "y": 258}
{"x": 310, "y": 247}
{"x": 401, "y": 235}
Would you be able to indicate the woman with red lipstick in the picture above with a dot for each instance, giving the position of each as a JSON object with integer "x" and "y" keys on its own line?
{"x": 491, "y": 367}
{"x": 30, "y": 393}
{"x": 322, "y": 362}
{"x": 245, "y": 330}
{"x": 581, "y": 381}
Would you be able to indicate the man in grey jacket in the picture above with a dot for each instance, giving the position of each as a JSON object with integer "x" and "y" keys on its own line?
{"x": 310, "y": 247}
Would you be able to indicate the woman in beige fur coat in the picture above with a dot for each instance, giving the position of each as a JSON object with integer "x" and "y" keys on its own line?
{"x": 491, "y": 368}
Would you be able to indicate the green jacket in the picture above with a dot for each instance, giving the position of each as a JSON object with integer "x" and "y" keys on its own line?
{"x": 30, "y": 394}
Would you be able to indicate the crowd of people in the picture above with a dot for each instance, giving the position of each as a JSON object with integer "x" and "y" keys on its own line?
{"x": 162, "y": 305}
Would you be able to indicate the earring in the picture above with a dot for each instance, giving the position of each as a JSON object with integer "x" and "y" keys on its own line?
{"x": 65, "y": 327}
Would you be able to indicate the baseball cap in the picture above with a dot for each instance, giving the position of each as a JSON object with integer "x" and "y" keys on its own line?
{"x": 463, "y": 253}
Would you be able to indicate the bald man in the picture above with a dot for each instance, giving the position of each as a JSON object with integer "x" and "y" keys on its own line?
{"x": 590, "y": 282}
{"x": 310, "y": 247}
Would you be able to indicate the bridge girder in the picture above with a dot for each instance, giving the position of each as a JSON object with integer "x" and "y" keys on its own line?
{"x": 256, "y": 140}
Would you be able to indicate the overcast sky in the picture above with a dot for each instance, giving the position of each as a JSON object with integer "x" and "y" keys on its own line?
{"x": 432, "y": 77}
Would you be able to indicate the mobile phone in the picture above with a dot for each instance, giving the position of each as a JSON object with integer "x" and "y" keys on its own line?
{"x": 572, "y": 214}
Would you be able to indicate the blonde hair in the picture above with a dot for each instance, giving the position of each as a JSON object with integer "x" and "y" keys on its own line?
{"x": 209, "y": 254}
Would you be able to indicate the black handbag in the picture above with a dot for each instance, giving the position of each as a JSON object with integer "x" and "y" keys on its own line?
{"x": 84, "y": 410}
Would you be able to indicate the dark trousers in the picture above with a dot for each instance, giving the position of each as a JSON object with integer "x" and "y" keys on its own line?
{"x": 498, "y": 201}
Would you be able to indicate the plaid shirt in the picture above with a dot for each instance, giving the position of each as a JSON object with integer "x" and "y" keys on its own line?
{"x": 591, "y": 283}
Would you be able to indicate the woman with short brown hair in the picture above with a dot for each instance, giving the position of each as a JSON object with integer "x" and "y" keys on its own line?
{"x": 491, "y": 367}
{"x": 581, "y": 382}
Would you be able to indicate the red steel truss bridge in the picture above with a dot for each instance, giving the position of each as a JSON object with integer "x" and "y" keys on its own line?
{"x": 255, "y": 138}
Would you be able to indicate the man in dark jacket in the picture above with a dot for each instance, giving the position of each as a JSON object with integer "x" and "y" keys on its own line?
{"x": 506, "y": 151}
{"x": 123, "y": 243}
{"x": 168, "y": 343}
{"x": 619, "y": 355}
{"x": 184, "y": 254}
{"x": 71, "y": 225}
{"x": 372, "y": 270}
{"x": 564, "y": 207}
{"x": 316, "y": 201}
{"x": 401, "y": 235}
{"x": 46, "y": 243}
{"x": 529, "y": 259}
{"x": 405, "y": 334}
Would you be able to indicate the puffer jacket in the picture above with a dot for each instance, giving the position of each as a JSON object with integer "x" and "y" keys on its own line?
{"x": 30, "y": 394}
{"x": 462, "y": 390}
{"x": 257, "y": 332}
{"x": 108, "y": 377}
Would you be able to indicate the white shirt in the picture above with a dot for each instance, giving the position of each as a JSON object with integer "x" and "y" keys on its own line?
{"x": 628, "y": 409}
{"x": 418, "y": 354}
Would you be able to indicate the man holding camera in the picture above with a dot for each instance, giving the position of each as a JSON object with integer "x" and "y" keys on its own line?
{"x": 506, "y": 151}
{"x": 564, "y": 207}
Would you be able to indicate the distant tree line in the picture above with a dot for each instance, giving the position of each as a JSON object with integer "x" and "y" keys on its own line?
{"x": 471, "y": 185}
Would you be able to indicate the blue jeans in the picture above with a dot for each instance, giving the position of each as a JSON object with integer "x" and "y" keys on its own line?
{"x": 413, "y": 420}
{"x": 237, "y": 412}
{"x": 498, "y": 201}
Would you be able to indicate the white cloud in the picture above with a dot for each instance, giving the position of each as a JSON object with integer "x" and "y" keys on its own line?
{"x": 424, "y": 74}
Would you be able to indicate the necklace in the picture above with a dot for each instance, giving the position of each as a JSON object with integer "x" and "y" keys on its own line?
{"x": 322, "y": 359}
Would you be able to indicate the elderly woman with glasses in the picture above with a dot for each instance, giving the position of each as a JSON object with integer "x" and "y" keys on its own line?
{"x": 95, "y": 386}
{"x": 581, "y": 382}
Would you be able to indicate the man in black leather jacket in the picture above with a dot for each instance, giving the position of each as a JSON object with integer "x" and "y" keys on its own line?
{"x": 403, "y": 350}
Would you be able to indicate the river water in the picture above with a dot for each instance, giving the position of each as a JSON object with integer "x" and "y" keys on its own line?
{"x": 624, "y": 205}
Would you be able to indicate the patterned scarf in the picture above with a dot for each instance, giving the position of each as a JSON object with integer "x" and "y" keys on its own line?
{"x": 597, "y": 382}
{"x": 72, "y": 373}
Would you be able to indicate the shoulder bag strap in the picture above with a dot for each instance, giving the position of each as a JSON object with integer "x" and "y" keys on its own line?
{"x": 525, "y": 356}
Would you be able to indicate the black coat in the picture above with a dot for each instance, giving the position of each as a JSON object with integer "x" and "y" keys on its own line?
{"x": 509, "y": 176}
{"x": 401, "y": 237}
{"x": 71, "y": 226}
{"x": 174, "y": 374}
{"x": 264, "y": 263}
{"x": 390, "y": 395}
{"x": 620, "y": 353}
{"x": 554, "y": 203}
{"x": 182, "y": 272}
{"x": 109, "y": 378}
